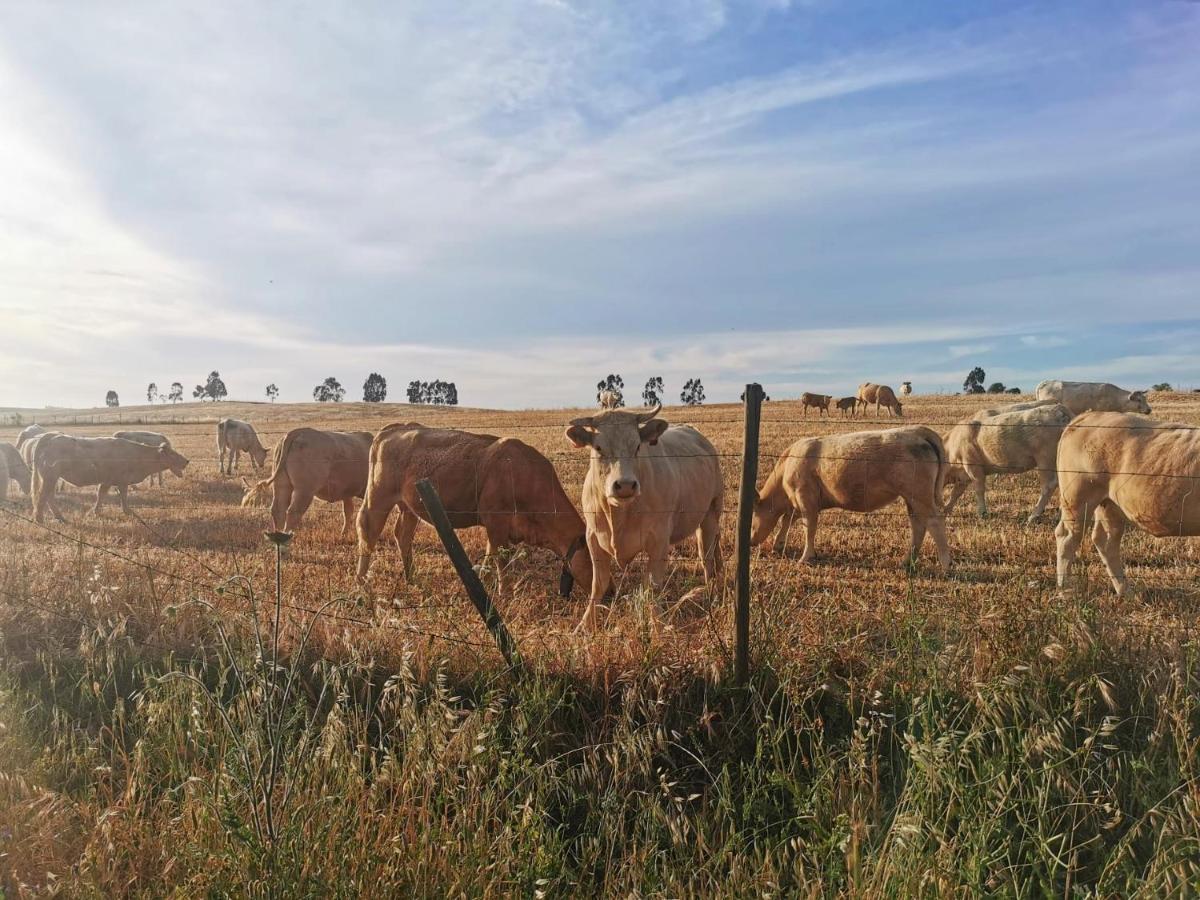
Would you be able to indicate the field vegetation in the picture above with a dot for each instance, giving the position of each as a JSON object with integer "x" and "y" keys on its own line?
{"x": 165, "y": 728}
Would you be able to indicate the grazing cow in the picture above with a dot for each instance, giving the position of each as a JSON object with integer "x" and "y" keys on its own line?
{"x": 307, "y": 463}
{"x": 502, "y": 484}
{"x": 818, "y": 401}
{"x": 1005, "y": 442}
{"x": 30, "y": 447}
{"x": 28, "y": 433}
{"x": 1120, "y": 469}
{"x": 609, "y": 399}
{"x": 149, "y": 439}
{"x": 862, "y": 472}
{"x": 15, "y": 468}
{"x": 905, "y": 388}
{"x": 848, "y": 404}
{"x": 880, "y": 395}
{"x": 1084, "y": 396}
{"x": 237, "y": 437}
{"x": 649, "y": 485}
{"x": 106, "y": 462}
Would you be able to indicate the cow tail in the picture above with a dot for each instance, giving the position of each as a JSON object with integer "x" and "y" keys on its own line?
{"x": 281, "y": 455}
{"x": 939, "y": 483}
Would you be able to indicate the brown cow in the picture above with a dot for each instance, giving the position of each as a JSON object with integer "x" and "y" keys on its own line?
{"x": 15, "y": 468}
{"x": 818, "y": 401}
{"x": 862, "y": 471}
{"x": 106, "y": 462}
{"x": 1120, "y": 469}
{"x": 880, "y": 395}
{"x": 502, "y": 484}
{"x": 307, "y": 463}
{"x": 848, "y": 403}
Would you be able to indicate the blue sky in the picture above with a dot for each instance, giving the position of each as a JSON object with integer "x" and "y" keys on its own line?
{"x": 524, "y": 196}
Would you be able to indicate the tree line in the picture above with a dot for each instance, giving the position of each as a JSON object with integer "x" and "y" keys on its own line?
{"x": 653, "y": 392}
{"x": 442, "y": 393}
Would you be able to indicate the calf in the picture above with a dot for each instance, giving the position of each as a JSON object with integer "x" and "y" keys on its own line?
{"x": 848, "y": 404}
{"x": 880, "y": 395}
{"x": 818, "y": 401}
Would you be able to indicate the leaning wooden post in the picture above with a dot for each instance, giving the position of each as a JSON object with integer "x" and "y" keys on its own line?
{"x": 469, "y": 577}
{"x": 746, "y": 497}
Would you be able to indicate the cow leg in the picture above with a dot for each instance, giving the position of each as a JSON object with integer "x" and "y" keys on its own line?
{"x": 281, "y": 499}
{"x": 917, "y": 523}
{"x": 780, "y": 545}
{"x": 601, "y": 582}
{"x": 503, "y": 583}
{"x": 810, "y": 516}
{"x": 979, "y": 477}
{"x": 1106, "y": 535}
{"x": 123, "y": 490}
{"x": 406, "y": 527}
{"x": 937, "y": 528}
{"x": 708, "y": 540}
{"x": 955, "y": 492}
{"x": 371, "y": 520}
{"x": 101, "y": 493}
{"x": 1067, "y": 535}
{"x": 221, "y": 459}
{"x": 1049, "y": 483}
{"x": 301, "y": 501}
{"x": 347, "y": 516}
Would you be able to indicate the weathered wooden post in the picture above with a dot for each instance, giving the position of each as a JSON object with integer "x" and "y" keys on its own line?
{"x": 467, "y": 574}
{"x": 746, "y": 496}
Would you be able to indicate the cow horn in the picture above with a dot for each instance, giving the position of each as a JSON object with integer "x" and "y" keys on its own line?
{"x": 585, "y": 422}
{"x": 647, "y": 416}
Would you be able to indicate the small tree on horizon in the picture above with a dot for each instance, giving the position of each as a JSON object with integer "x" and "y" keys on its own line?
{"x": 329, "y": 391}
{"x": 213, "y": 388}
{"x": 996, "y": 387}
{"x": 375, "y": 388}
{"x": 176, "y": 392}
{"x": 653, "y": 392}
{"x": 614, "y": 383}
{"x": 272, "y": 392}
{"x": 111, "y": 399}
{"x": 1162, "y": 386}
{"x": 151, "y": 392}
{"x": 1013, "y": 390}
{"x": 974, "y": 381}
{"x": 692, "y": 393}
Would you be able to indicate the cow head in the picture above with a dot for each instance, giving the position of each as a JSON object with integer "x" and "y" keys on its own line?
{"x": 258, "y": 452}
{"x": 616, "y": 439}
{"x": 173, "y": 460}
{"x": 899, "y": 408}
{"x": 258, "y": 493}
{"x": 1136, "y": 402}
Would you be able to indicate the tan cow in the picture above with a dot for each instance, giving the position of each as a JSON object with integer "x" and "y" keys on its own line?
{"x": 28, "y": 433}
{"x": 14, "y": 468}
{"x": 609, "y": 399}
{"x": 1084, "y": 396}
{"x": 502, "y": 484}
{"x": 107, "y": 462}
{"x": 150, "y": 439}
{"x": 818, "y": 401}
{"x": 30, "y": 447}
{"x": 237, "y": 437}
{"x": 880, "y": 395}
{"x": 307, "y": 463}
{"x": 862, "y": 472}
{"x": 848, "y": 404}
{"x": 1117, "y": 469}
{"x": 1005, "y": 442}
{"x": 649, "y": 485}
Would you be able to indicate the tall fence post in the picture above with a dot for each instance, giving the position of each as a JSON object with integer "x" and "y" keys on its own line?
{"x": 467, "y": 574}
{"x": 746, "y": 496}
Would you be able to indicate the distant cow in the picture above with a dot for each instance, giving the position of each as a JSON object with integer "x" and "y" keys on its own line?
{"x": 28, "y": 433}
{"x": 880, "y": 395}
{"x": 307, "y": 463}
{"x": 14, "y": 468}
{"x": 107, "y": 462}
{"x": 1120, "y": 469}
{"x": 237, "y": 437}
{"x": 819, "y": 401}
{"x": 848, "y": 404}
{"x": 609, "y": 400}
{"x": 502, "y": 484}
{"x": 1003, "y": 443}
{"x": 1084, "y": 396}
{"x": 150, "y": 439}
{"x": 862, "y": 472}
{"x": 649, "y": 485}
{"x": 905, "y": 388}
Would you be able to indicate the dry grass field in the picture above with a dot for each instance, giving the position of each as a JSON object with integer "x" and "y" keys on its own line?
{"x": 906, "y": 734}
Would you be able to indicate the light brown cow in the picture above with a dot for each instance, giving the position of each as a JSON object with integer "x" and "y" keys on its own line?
{"x": 818, "y": 401}
{"x": 1084, "y": 396}
{"x": 848, "y": 404}
{"x": 502, "y": 484}
{"x": 107, "y": 462}
{"x": 649, "y": 485}
{"x": 237, "y": 437}
{"x": 609, "y": 400}
{"x": 861, "y": 472}
{"x": 14, "y": 468}
{"x": 150, "y": 439}
{"x": 1118, "y": 469}
{"x": 307, "y": 463}
{"x": 880, "y": 395}
{"x": 1005, "y": 442}
{"x": 28, "y": 433}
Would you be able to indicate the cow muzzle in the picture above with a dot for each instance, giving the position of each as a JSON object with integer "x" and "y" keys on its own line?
{"x": 623, "y": 491}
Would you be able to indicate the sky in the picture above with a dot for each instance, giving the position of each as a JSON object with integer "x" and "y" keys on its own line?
{"x": 522, "y": 197}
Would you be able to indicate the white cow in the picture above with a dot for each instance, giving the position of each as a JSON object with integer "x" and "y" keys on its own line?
{"x": 237, "y": 437}
{"x": 146, "y": 439}
{"x": 609, "y": 400}
{"x": 1084, "y": 396}
{"x": 29, "y": 433}
{"x": 649, "y": 485}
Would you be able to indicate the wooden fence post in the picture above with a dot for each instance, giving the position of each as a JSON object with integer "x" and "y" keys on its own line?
{"x": 467, "y": 574}
{"x": 746, "y": 497}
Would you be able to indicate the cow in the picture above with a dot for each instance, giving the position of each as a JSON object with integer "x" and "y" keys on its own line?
{"x": 28, "y": 433}
{"x": 818, "y": 401}
{"x": 848, "y": 403}
{"x": 880, "y": 395}
{"x": 150, "y": 439}
{"x": 1118, "y": 469}
{"x": 30, "y": 447}
{"x": 862, "y": 472}
{"x": 1005, "y": 442}
{"x": 307, "y": 463}
{"x": 905, "y": 388}
{"x": 3, "y": 478}
{"x": 1093, "y": 396}
{"x": 14, "y": 468}
{"x": 502, "y": 484}
{"x": 106, "y": 462}
{"x": 649, "y": 485}
{"x": 237, "y": 437}
{"x": 609, "y": 399}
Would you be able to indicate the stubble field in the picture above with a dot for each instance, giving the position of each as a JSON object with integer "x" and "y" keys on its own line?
{"x": 905, "y": 733}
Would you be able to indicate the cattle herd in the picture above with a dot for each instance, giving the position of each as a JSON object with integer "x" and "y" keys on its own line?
{"x": 651, "y": 485}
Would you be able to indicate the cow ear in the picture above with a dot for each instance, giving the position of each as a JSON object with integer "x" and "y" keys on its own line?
{"x": 653, "y": 430}
{"x": 580, "y": 437}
